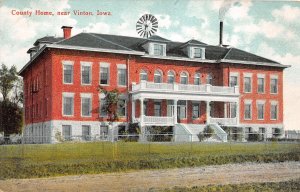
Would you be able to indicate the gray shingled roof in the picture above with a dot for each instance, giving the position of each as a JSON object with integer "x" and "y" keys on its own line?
{"x": 116, "y": 42}
{"x": 48, "y": 39}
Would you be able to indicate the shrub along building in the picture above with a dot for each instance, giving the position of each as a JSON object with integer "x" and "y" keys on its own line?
{"x": 184, "y": 85}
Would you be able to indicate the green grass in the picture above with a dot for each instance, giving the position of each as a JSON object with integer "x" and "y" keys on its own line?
{"x": 24, "y": 161}
{"x": 290, "y": 186}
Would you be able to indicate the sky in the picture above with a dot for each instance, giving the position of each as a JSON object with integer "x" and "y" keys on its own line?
{"x": 267, "y": 28}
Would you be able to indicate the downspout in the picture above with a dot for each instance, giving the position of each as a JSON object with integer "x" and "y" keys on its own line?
{"x": 128, "y": 84}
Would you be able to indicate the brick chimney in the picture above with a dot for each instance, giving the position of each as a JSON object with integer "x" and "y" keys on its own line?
{"x": 67, "y": 31}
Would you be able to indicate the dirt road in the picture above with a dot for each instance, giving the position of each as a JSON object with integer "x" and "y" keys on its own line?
{"x": 149, "y": 179}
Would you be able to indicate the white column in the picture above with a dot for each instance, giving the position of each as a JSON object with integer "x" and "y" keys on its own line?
{"x": 225, "y": 110}
{"x": 175, "y": 110}
{"x": 207, "y": 112}
{"x": 237, "y": 112}
{"x": 142, "y": 111}
{"x": 132, "y": 110}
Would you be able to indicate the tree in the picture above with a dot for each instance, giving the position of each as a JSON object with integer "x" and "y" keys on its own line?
{"x": 10, "y": 117}
{"x": 7, "y": 79}
{"x": 11, "y": 89}
{"x": 112, "y": 103}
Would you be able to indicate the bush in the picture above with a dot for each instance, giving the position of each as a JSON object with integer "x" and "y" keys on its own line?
{"x": 253, "y": 136}
{"x": 207, "y": 133}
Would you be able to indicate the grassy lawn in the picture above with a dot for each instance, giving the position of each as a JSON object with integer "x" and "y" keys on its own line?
{"x": 23, "y": 161}
{"x": 291, "y": 186}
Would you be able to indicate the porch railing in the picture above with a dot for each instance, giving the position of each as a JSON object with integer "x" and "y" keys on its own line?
{"x": 224, "y": 121}
{"x": 156, "y": 120}
{"x": 207, "y": 88}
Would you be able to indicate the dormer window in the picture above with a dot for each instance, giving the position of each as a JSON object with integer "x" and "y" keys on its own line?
{"x": 157, "y": 49}
{"x": 197, "y": 52}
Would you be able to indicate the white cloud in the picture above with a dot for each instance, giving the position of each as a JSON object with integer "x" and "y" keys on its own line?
{"x": 99, "y": 27}
{"x": 22, "y": 31}
{"x": 164, "y": 21}
{"x": 287, "y": 13}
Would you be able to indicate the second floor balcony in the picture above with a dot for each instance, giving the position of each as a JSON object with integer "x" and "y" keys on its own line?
{"x": 184, "y": 88}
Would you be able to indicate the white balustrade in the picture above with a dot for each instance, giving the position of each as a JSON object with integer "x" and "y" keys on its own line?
{"x": 224, "y": 121}
{"x": 157, "y": 120}
{"x": 151, "y": 86}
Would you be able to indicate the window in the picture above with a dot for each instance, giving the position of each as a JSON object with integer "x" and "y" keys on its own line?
{"x": 197, "y": 80}
{"x": 158, "y": 49}
{"x": 103, "y": 132}
{"x": 181, "y": 109}
{"x": 248, "y": 111}
{"x": 184, "y": 78}
{"x": 197, "y": 53}
{"x": 274, "y": 111}
{"x": 232, "y": 110}
{"x": 68, "y": 104}
{"x": 122, "y": 108}
{"x": 157, "y": 76}
{"x": 274, "y": 85}
{"x": 86, "y": 73}
{"x": 196, "y": 110}
{"x": 122, "y": 80}
{"x": 143, "y": 75}
{"x": 209, "y": 79}
{"x": 86, "y": 132}
{"x": 68, "y": 73}
{"x": 86, "y": 106}
{"x": 157, "y": 109}
{"x": 260, "y": 111}
{"x": 66, "y": 132}
{"x": 145, "y": 107}
{"x": 247, "y": 84}
{"x": 260, "y": 85}
{"x": 102, "y": 111}
{"x": 104, "y": 75}
{"x": 233, "y": 81}
{"x": 171, "y": 77}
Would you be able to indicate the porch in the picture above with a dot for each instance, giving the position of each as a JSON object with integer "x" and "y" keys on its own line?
{"x": 164, "y": 104}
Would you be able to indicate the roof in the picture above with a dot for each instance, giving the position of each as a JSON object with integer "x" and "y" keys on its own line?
{"x": 48, "y": 39}
{"x": 133, "y": 45}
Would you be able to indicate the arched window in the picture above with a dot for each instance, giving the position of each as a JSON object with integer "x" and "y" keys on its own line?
{"x": 209, "y": 79}
{"x": 184, "y": 78}
{"x": 143, "y": 75}
{"x": 197, "y": 80}
{"x": 157, "y": 76}
{"x": 171, "y": 77}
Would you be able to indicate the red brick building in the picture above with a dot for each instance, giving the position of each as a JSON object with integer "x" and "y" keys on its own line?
{"x": 186, "y": 85}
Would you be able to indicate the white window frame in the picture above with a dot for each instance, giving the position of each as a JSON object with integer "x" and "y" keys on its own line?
{"x": 86, "y": 64}
{"x": 151, "y": 49}
{"x": 274, "y": 103}
{"x": 234, "y": 74}
{"x": 199, "y": 110}
{"x": 192, "y": 52}
{"x": 187, "y": 76}
{"x": 248, "y": 102}
{"x": 143, "y": 72}
{"x": 101, "y": 97}
{"x": 197, "y": 76}
{"x": 62, "y": 131}
{"x": 262, "y": 76}
{"x": 271, "y": 78}
{"x": 209, "y": 77}
{"x": 248, "y": 75}
{"x": 67, "y": 94}
{"x": 261, "y": 102}
{"x": 156, "y": 72}
{"x": 86, "y": 95}
{"x": 69, "y": 63}
{"x": 122, "y": 66}
{"x": 169, "y": 74}
{"x": 104, "y": 65}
